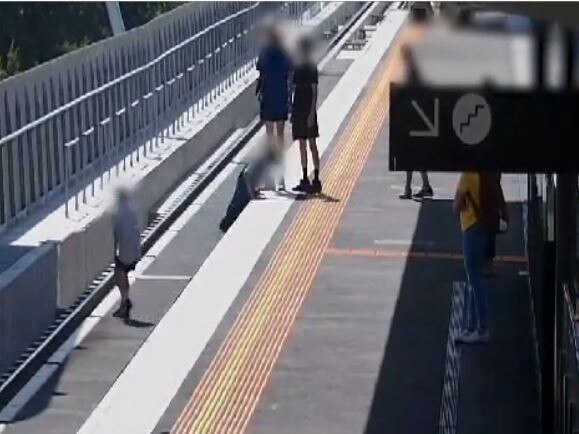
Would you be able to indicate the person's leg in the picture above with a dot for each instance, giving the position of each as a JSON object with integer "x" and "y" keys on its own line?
{"x": 489, "y": 253}
{"x": 269, "y": 133}
{"x": 481, "y": 290}
{"x": 473, "y": 245}
{"x": 425, "y": 181}
{"x": 280, "y": 126}
{"x": 426, "y": 190}
{"x": 408, "y": 184}
{"x": 469, "y": 307}
{"x": 304, "y": 157}
{"x": 269, "y": 169}
{"x": 122, "y": 281}
{"x": 317, "y": 184}
{"x": 304, "y": 184}
{"x": 407, "y": 194}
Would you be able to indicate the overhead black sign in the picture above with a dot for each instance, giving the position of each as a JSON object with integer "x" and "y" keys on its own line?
{"x": 475, "y": 129}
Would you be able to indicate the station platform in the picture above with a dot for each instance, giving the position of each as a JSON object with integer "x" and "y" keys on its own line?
{"x": 320, "y": 314}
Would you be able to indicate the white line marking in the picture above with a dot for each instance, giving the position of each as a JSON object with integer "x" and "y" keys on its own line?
{"x": 405, "y": 243}
{"x": 163, "y": 277}
{"x": 10, "y": 411}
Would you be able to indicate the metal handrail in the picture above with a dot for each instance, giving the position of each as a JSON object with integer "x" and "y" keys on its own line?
{"x": 117, "y": 80}
{"x": 128, "y": 115}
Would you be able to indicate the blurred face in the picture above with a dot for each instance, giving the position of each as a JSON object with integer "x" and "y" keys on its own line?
{"x": 304, "y": 51}
{"x": 269, "y": 37}
{"x": 122, "y": 197}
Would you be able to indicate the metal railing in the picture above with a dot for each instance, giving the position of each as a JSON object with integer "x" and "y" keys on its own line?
{"x": 555, "y": 312}
{"x": 69, "y": 134}
{"x": 568, "y": 369}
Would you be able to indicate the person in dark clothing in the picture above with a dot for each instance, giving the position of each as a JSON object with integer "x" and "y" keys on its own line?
{"x": 274, "y": 66}
{"x": 414, "y": 78}
{"x": 304, "y": 117}
{"x": 498, "y": 201}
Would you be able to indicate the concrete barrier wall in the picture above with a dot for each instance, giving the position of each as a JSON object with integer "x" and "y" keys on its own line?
{"x": 28, "y": 299}
{"x": 55, "y": 274}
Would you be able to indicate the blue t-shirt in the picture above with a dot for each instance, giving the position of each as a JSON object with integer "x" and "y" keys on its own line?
{"x": 274, "y": 67}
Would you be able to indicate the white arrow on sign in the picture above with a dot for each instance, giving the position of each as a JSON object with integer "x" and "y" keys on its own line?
{"x": 432, "y": 130}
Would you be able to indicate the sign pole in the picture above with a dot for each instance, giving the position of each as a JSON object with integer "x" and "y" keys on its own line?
{"x": 547, "y": 321}
{"x": 566, "y": 194}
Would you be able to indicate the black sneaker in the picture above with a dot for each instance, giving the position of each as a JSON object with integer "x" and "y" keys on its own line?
{"x": 304, "y": 186}
{"x": 119, "y": 312}
{"x": 316, "y": 186}
{"x": 406, "y": 195}
{"x": 124, "y": 310}
{"x": 424, "y": 193}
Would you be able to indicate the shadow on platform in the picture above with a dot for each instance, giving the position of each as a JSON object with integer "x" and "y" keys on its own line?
{"x": 408, "y": 391}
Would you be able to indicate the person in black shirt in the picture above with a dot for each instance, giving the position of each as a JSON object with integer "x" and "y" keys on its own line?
{"x": 304, "y": 117}
{"x": 413, "y": 77}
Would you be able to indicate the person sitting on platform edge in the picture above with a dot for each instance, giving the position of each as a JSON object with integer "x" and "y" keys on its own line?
{"x": 127, "y": 244}
{"x": 304, "y": 116}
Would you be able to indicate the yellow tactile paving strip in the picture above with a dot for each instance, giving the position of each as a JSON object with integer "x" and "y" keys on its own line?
{"x": 229, "y": 391}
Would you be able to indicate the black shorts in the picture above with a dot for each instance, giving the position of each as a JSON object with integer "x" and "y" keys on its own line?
{"x": 301, "y": 129}
{"x": 124, "y": 267}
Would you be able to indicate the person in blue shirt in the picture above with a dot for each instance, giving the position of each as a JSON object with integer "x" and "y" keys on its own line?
{"x": 274, "y": 66}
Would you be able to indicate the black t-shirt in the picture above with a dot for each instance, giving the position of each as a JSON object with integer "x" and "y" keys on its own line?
{"x": 304, "y": 77}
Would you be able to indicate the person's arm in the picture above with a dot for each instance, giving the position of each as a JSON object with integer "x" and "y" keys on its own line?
{"x": 504, "y": 208}
{"x": 312, "y": 114}
{"x": 290, "y": 82}
{"x": 460, "y": 195}
{"x": 259, "y": 67}
{"x": 115, "y": 234}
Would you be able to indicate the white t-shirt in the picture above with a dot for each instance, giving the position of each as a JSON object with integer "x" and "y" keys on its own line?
{"x": 127, "y": 235}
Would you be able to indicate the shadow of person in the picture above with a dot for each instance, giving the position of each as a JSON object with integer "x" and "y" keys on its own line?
{"x": 135, "y": 323}
{"x": 300, "y": 196}
{"x": 326, "y": 197}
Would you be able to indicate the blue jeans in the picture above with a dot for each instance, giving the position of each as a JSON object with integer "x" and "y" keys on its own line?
{"x": 474, "y": 243}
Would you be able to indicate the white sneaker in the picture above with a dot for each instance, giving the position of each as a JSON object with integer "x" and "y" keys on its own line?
{"x": 464, "y": 334}
{"x": 474, "y": 337}
{"x": 281, "y": 184}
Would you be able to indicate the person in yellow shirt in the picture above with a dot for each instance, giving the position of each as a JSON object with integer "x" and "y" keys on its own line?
{"x": 475, "y": 236}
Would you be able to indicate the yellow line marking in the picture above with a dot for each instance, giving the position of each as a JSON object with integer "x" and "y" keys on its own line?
{"x": 229, "y": 391}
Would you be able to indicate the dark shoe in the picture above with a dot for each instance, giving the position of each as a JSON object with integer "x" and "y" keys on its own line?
{"x": 119, "y": 312}
{"x": 316, "y": 186}
{"x": 124, "y": 310}
{"x": 303, "y": 186}
{"x": 406, "y": 195}
{"x": 424, "y": 192}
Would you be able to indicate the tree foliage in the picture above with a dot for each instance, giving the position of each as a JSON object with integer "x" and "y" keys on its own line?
{"x": 34, "y": 32}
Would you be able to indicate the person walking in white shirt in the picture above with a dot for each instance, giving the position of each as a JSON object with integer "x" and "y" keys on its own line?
{"x": 127, "y": 237}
